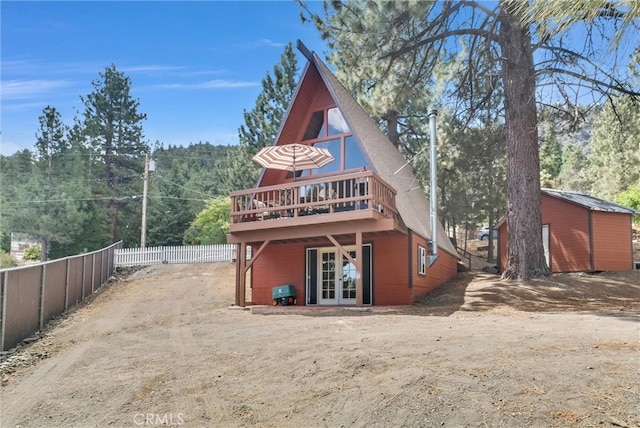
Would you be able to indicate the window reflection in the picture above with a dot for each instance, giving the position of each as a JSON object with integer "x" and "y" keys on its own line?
{"x": 337, "y": 124}
{"x": 315, "y": 128}
{"x": 353, "y": 156}
{"x": 335, "y": 148}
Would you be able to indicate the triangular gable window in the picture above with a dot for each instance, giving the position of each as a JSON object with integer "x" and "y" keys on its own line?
{"x": 337, "y": 138}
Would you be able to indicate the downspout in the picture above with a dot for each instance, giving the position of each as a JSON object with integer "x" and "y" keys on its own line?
{"x": 433, "y": 212}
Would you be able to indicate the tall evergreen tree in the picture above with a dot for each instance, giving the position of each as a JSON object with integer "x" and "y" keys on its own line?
{"x": 573, "y": 172}
{"x": 185, "y": 178}
{"x": 113, "y": 128}
{"x": 421, "y": 35}
{"x": 550, "y": 153}
{"x": 615, "y": 148}
{"x": 262, "y": 122}
{"x": 51, "y": 140}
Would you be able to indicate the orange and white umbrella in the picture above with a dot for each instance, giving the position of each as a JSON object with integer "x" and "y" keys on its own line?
{"x": 293, "y": 157}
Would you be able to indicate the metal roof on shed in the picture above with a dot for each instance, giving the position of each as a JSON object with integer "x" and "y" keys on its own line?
{"x": 589, "y": 202}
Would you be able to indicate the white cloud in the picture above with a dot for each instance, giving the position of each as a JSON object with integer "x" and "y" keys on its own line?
{"x": 25, "y": 89}
{"x": 211, "y": 84}
{"x": 150, "y": 68}
{"x": 270, "y": 43}
{"x": 8, "y": 148}
{"x": 17, "y": 106}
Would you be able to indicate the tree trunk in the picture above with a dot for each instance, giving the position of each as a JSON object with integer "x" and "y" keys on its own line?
{"x": 392, "y": 127}
{"x": 525, "y": 255}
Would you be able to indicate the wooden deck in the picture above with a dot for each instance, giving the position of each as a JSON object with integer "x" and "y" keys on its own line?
{"x": 359, "y": 200}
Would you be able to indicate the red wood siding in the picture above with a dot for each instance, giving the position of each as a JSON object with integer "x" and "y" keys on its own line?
{"x": 390, "y": 271}
{"x": 611, "y": 241}
{"x": 444, "y": 269}
{"x": 575, "y": 231}
{"x": 278, "y": 265}
{"x": 568, "y": 235}
{"x": 281, "y": 264}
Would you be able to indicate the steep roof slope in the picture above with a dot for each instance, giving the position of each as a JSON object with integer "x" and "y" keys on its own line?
{"x": 387, "y": 161}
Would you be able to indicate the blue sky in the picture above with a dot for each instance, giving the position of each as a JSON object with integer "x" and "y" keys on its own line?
{"x": 194, "y": 66}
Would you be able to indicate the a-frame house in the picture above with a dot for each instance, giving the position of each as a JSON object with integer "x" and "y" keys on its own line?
{"x": 354, "y": 232}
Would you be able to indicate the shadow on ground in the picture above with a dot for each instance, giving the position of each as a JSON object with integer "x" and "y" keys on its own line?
{"x": 608, "y": 294}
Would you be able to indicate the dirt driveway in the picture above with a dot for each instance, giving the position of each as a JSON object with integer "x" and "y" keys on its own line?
{"x": 162, "y": 348}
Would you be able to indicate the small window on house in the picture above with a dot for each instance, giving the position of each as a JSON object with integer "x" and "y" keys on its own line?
{"x": 422, "y": 260}
{"x": 315, "y": 128}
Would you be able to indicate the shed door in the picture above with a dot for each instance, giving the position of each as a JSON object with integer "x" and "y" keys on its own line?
{"x": 545, "y": 243}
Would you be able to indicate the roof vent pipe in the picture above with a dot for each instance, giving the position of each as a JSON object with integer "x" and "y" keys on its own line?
{"x": 433, "y": 212}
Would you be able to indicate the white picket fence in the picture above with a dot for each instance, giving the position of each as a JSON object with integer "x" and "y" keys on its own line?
{"x": 176, "y": 255}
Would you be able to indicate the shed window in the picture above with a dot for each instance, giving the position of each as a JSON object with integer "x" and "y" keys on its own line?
{"x": 422, "y": 260}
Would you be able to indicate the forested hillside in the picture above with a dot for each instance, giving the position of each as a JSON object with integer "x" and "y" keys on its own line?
{"x": 80, "y": 187}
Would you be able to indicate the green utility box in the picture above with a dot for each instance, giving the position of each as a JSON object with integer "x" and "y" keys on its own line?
{"x": 283, "y": 295}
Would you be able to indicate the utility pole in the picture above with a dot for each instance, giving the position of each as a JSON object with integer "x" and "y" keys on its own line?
{"x": 143, "y": 228}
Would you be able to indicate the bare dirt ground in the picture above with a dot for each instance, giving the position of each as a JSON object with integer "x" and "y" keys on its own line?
{"x": 162, "y": 347}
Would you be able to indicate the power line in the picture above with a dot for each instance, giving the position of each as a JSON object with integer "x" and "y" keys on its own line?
{"x": 186, "y": 188}
{"x": 41, "y": 201}
{"x": 117, "y": 198}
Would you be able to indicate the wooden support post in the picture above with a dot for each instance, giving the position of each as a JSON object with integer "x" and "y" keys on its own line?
{"x": 359, "y": 268}
{"x": 242, "y": 267}
{"x": 240, "y": 282}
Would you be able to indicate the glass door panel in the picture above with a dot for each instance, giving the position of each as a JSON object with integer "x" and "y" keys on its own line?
{"x": 327, "y": 274}
{"x": 348, "y": 275}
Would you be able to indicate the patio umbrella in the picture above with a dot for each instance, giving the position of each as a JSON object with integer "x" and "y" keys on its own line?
{"x": 293, "y": 157}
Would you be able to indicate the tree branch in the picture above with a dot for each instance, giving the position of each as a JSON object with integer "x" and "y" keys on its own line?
{"x": 618, "y": 86}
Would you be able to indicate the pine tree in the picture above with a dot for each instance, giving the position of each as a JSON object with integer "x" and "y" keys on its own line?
{"x": 51, "y": 138}
{"x": 262, "y": 123}
{"x": 113, "y": 129}
{"x": 615, "y": 148}
{"x": 412, "y": 39}
{"x": 550, "y": 154}
{"x": 573, "y": 172}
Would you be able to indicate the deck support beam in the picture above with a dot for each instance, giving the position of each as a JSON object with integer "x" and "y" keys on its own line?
{"x": 357, "y": 262}
{"x": 242, "y": 267}
{"x": 241, "y": 277}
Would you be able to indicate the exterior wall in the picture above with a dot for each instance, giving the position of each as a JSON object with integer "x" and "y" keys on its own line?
{"x": 577, "y": 236}
{"x": 390, "y": 271}
{"x": 612, "y": 241}
{"x": 278, "y": 265}
{"x": 444, "y": 269}
{"x": 569, "y": 245}
{"x": 281, "y": 264}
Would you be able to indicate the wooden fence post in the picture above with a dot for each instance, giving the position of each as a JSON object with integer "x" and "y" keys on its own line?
{"x": 4, "y": 281}
{"x": 66, "y": 284}
{"x": 43, "y": 278}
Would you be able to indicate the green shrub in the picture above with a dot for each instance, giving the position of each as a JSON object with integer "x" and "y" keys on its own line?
{"x": 6, "y": 261}
{"x": 631, "y": 198}
{"x": 32, "y": 252}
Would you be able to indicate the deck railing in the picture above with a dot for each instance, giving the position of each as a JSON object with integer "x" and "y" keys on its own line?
{"x": 362, "y": 190}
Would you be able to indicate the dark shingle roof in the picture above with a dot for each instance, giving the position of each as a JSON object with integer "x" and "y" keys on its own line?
{"x": 589, "y": 202}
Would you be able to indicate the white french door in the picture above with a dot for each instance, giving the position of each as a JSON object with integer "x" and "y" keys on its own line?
{"x": 336, "y": 277}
